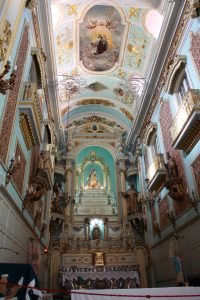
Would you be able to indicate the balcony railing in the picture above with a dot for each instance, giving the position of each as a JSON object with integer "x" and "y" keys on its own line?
{"x": 185, "y": 128}
{"x": 156, "y": 173}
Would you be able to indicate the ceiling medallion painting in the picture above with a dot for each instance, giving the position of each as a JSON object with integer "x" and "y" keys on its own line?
{"x": 101, "y": 36}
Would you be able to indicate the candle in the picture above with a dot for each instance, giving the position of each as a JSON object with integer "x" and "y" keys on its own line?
{"x": 15, "y": 68}
{"x": 18, "y": 158}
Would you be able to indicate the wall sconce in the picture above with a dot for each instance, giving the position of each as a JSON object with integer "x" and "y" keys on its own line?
{"x": 171, "y": 217}
{"x": 7, "y": 84}
{"x": 156, "y": 227}
{"x": 14, "y": 165}
{"x": 194, "y": 201}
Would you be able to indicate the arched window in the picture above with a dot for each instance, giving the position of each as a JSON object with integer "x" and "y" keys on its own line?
{"x": 178, "y": 83}
{"x": 151, "y": 144}
{"x": 182, "y": 86}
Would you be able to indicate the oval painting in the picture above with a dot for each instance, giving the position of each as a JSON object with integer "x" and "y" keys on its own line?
{"x": 101, "y": 36}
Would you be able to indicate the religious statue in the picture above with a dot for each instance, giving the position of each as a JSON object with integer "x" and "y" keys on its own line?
{"x": 131, "y": 196}
{"x": 96, "y": 233}
{"x": 93, "y": 182}
{"x": 171, "y": 167}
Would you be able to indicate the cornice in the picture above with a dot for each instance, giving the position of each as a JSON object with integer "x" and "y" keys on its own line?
{"x": 161, "y": 73}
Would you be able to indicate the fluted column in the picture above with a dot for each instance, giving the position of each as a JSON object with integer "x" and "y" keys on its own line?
{"x": 108, "y": 180}
{"x": 105, "y": 221}
{"x": 104, "y": 178}
{"x": 82, "y": 179}
{"x": 123, "y": 188}
{"x": 87, "y": 229}
{"x": 77, "y": 173}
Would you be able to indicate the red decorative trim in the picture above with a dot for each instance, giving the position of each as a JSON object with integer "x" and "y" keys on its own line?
{"x": 196, "y": 171}
{"x": 163, "y": 207}
{"x": 195, "y": 49}
{"x": 165, "y": 123}
{"x": 8, "y": 119}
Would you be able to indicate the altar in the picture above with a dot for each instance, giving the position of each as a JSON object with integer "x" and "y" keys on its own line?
{"x": 104, "y": 277}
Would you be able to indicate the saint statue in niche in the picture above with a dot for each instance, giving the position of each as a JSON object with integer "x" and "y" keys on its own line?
{"x": 93, "y": 182}
{"x": 96, "y": 232}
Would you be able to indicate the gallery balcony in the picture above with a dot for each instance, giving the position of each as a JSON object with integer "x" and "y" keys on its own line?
{"x": 156, "y": 173}
{"x": 185, "y": 128}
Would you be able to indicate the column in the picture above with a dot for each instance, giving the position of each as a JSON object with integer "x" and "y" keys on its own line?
{"x": 105, "y": 221}
{"x": 77, "y": 173}
{"x": 87, "y": 229}
{"x": 82, "y": 178}
{"x": 123, "y": 189}
{"x": 108, "y": 180}
{"x": 104, "y": 178}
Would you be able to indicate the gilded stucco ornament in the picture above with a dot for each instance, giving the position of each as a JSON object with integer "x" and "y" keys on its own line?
{"x": 95, "y": 101}
{"x": 5, "y": 37}
{"x": 31, "y": 3}
{"x": 195, "y": 9}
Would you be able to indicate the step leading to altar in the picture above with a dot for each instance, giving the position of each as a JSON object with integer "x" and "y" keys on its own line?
{"x": 94, "y": 202}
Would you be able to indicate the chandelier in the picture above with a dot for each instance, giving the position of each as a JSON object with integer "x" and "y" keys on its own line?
{"x": 69, "y": 86}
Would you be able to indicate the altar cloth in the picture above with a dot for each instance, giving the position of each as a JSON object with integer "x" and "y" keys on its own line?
{"x": 172, "y": 293}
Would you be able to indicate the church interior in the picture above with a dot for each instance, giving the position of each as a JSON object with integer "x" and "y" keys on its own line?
{"x": 99, "y": 146}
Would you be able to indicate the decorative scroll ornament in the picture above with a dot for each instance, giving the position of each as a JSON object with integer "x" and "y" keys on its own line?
{"x": 5, "y": 37}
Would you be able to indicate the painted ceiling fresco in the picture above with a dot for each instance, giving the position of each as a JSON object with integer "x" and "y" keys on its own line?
{"x": 101, "y": 33}
{"x": 105, "y": 48}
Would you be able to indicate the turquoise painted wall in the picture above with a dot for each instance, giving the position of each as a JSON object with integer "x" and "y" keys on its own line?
{"x": 99, "y": 173}
{"x": 108, "y": 159}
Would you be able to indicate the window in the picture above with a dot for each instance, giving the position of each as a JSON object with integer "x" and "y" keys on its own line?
{"x": 183, "y": 87}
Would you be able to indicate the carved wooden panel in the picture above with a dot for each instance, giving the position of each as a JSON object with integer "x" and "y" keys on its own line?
{"x": 163, "y": 207}
{"x": 18, "y": 176}
{"x": 196, "y": 172}
{"x": 9, "y": 113}
{"x": 165, "y": 123}
{"x": 195, "y": 49}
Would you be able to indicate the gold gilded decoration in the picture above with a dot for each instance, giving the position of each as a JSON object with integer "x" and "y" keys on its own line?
{"x": 134, "y": 12}
{"x": 95, "y": 101}
{"x": 128, "y": 114}
{"x": 195, "y": 8}
{"x": 99, "y": 259}
{"x": 96, "y": 120}
{"x": 36, "y": 29}
{"x": 121, "y": 73}
{"x": 190, "y": 104}
{"x": 136, "y": 49}
{"x": 26, "y": 130}
{"x": 31, "y": 3}
{"x": 72, "y": 9}
{"x": 5, "y": 37}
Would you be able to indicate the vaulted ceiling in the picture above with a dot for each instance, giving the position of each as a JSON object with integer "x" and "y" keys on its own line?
{"x": 102, "y": 52}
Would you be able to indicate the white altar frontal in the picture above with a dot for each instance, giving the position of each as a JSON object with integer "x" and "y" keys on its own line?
{"x": 173, "y": 293}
